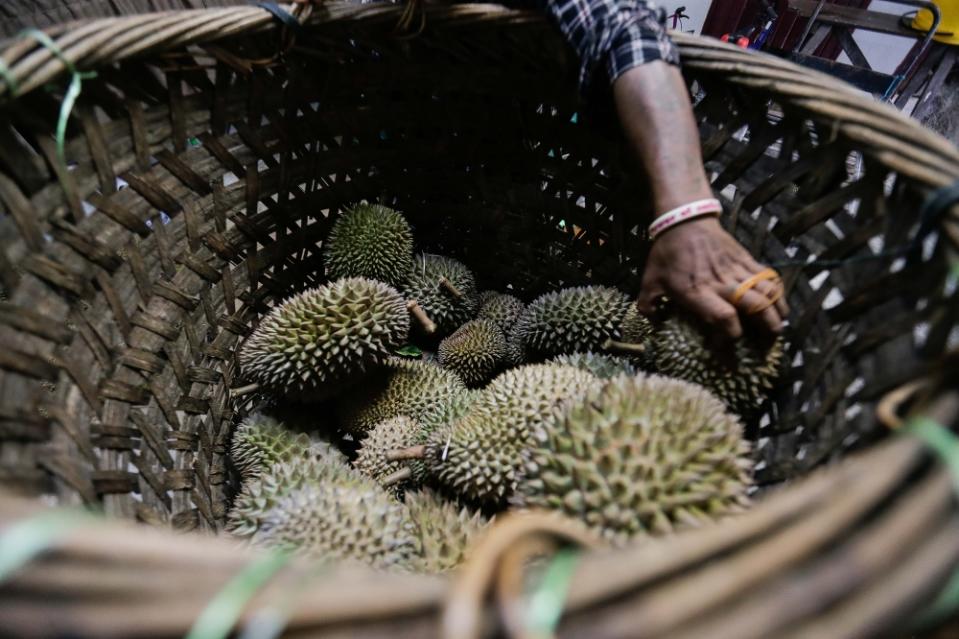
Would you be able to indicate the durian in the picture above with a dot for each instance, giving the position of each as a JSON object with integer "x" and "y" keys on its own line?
{"x": 370, "y": 241}
{"x": 445, "y": 289}
{"x": 412, "y": 471}
{"x": 475, "y": 352}
{"x": 515, "y": 350}
{"x": 636, "y": 332}
{"x": 447, "y": 412}
{"x": 412, "y": 388}
{"x": 260, "y": 494}
{"x": 572, "y": 320}
{"x": 351, "y": 522}
{"x": 446, "y": 530}
{"x": 740, "y": 373}
{"x": 390, "y": 434}
{"x": 501, "y": 308}
{"x": 479, "y": 455}
{"x": 635, "y": 327}
{"x": 260, "y": 442}
{"x": 599, "y": 364}
{"x": 644, "y": 455}
{"x": 316, "y": 342}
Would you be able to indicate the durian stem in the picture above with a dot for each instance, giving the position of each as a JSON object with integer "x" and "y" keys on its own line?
{"x": 420, "y": 316}
{"x": 395, "y": 478}
{"x": 625, "y": 348}
{"x": 244, "y": 390}
{"x": 449, "y": 286}
{"x": 413, "y": 452}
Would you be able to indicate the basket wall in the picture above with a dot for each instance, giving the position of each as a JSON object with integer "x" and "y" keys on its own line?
{"x": 200, "y": 186}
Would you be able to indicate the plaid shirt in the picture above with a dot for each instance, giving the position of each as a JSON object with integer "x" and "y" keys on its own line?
{"x": 618, "y": 34}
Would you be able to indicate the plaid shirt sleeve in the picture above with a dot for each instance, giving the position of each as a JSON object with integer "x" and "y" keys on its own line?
{"x": 615, "y": 34}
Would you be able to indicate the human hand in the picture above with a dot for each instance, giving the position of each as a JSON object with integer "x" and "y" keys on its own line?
{"x": 698, "y": 265}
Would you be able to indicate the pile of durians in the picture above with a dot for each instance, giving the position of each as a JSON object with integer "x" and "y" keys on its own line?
{"x": 401, "y": 408}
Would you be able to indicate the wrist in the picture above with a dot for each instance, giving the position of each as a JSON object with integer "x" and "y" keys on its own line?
{"x": 694, "y": 226}
{"x": 707, "y": 208}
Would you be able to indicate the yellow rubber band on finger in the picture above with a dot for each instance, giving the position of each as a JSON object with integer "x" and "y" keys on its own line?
{"x": 742, "y": 289}
{"x": 770, "y": 300}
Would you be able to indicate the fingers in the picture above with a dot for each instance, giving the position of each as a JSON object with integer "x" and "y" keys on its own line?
{"x": 768, "y": 317}
{"x": 773, "y": 290}
{"x": 715, "y": 311}
{"x": 647, "y": 302}
{"x": 650, "y": 293}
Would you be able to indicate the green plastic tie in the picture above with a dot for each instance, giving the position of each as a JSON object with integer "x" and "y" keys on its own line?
{"x": 940, "y": 439}
{"x": 946, "y": 445}
{"x": 25, "y": 540}
{"x": 73, "y": 90}
{"x": 546, "y": 604}
{"x": 271, "y": 620}
{"x": 954, "y": 273}
{"x": 221, "y": 614}
{"x": 7, "y": 76}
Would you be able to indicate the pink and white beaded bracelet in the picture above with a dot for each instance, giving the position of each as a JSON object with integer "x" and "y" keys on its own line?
{"x": 669, "y": 219}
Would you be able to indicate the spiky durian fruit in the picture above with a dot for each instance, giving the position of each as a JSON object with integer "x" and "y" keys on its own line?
{"x": 635, "y": 327}
{"x": 644, "y": 455}
{"x": 573, "y": 320}
{"x": 445, "y": 289}
{"x": 446, "y": 530}
{"x": 637, "y": 331}
{"x": 412, "y": 471}
{"x": 475, "y": 352}
{"x": 515, "y": 350}
{"x": 260, "y": 442}
{"x": 343, "y": 521}
{"x": 739, "y": 373}
{"x": 412, "y": 388}
{"x": 450, "y": 411}
{"x": 260, "y": 494}
{"x": 601, "y": 365}
{"x": 478, "y": 456}
{"x": 314, "y": 343}
{"x": 390, "y": 434}
{"x": 501, "y": 308}
{"x": 371, "y": 241}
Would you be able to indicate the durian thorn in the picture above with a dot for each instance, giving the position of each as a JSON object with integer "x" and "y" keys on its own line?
{"x": 413, "y": 452}
{"x": 449, "y": 286}
{"x": 626, "y": 348}
{"x": 244, "y": 390}
{"x": 420, "y": 316}
{"x": 396, "y": 477}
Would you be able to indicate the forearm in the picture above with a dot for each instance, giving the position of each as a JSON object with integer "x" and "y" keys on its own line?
{"x": 657, "y": 119}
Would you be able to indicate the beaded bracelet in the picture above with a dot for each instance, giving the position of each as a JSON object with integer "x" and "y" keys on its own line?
{"x": 671, "y": 218}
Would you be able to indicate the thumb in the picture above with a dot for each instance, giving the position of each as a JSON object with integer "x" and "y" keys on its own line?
{"x": 648, "y": 297}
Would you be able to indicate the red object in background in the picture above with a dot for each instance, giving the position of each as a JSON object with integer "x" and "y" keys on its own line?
{"x": 741, "y": 42}
{"x": 729, "y": 16}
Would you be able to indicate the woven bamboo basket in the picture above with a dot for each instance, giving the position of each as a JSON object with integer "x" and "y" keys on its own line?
{"x": 189, "y": 187}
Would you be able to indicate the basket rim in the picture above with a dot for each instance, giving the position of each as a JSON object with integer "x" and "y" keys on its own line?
{"x": 908, "y": 147}
{"x": 904, "y": 145}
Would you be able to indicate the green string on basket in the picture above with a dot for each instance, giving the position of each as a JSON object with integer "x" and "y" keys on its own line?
{"x": 221, "y": 614}
{"x": 73, "y": 90}
{"x": 932, "y": 211}
{"x": 27, "y": 539}
{"x": 7, "y": 76}
{"x": 546, "y": 604}
{"x": 945, "y": 444}
{"x": 269, "y": 621}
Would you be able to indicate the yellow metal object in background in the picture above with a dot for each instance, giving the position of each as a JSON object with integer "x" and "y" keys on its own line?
{"x": 948, "y": 30}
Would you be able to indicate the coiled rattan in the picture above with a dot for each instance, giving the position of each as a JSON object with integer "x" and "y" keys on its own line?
{"x": 203, "y": 164}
